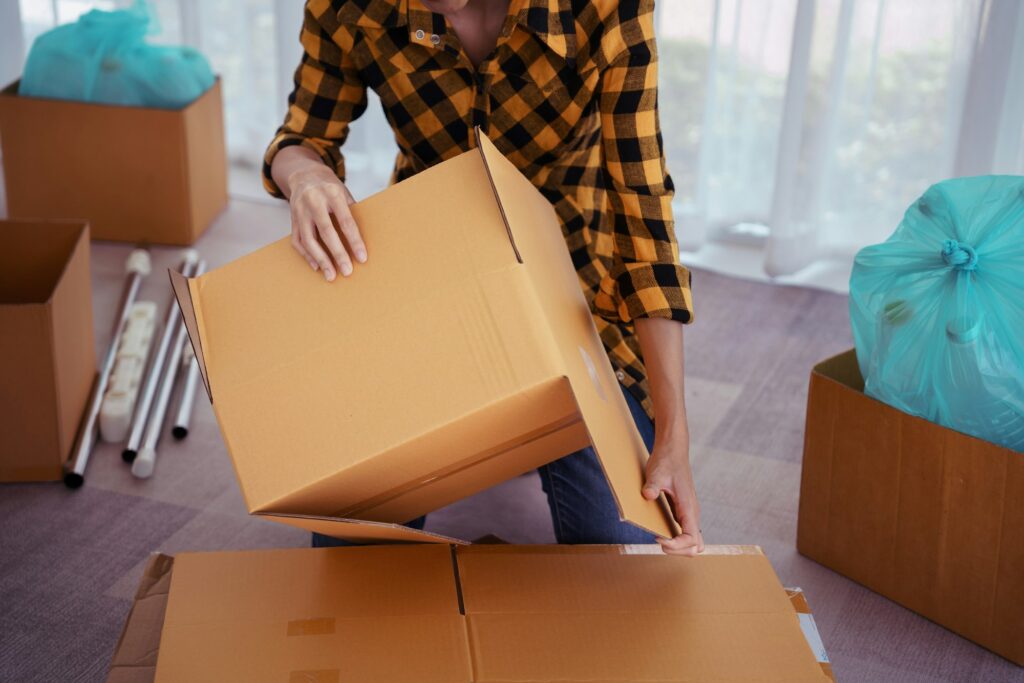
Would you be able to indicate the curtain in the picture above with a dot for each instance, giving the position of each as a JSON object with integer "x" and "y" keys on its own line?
{"x": 796, "y": 131}
{"x": 800, "y": 130}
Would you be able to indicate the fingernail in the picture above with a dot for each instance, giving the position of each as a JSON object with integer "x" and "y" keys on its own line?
{"x": 329, "y": 274}
{"x": 361, "y": 255}
{"x": 346, "y": 269}
{"x": 312, "y": 264}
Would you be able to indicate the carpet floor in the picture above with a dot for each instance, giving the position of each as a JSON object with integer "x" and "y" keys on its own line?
{"x": 70, "y": 560}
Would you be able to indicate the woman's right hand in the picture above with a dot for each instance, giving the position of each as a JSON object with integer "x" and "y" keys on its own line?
{"x": 316, "y": 194}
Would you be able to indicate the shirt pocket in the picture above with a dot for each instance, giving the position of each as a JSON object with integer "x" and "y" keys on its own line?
{"x": 546, "y": 96}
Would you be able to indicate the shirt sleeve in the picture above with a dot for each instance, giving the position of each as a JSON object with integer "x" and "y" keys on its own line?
{"x": 646, "y": 279}
{"x": 328, "y": 93}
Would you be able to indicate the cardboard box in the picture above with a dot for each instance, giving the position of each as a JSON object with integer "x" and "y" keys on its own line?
{"x": 462, "y": 354}
{"x": 136, "y": 174}
{"x": 471, "y": 613}
{"x": 47, "y": 358}
{"x": 928, "y": 517}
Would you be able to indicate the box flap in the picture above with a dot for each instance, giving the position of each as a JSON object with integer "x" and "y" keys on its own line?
{"x": 380, "y": 613}
{"x": 135, "y": 655}
{"x": 538, "y": 236}
{"x": 183, "y": 295}
{"x": 842, "y": 368}
{"x": 358, "y": 530}
{"x": 602, "y": 613}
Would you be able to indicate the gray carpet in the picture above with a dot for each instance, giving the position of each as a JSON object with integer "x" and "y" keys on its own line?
{"x": 69, "y": 561}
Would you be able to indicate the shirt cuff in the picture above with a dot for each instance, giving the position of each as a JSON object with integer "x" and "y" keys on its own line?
{"x": 646, "y": 290}
{"x": 330, "y": 156}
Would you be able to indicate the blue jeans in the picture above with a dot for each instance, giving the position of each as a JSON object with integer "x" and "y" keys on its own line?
{"x": 583, "y": 509}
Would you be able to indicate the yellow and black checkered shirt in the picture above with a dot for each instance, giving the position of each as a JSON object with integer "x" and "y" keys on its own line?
{"x": 569, "y": 95}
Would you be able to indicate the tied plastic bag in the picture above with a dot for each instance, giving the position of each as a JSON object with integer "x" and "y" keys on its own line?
{"x": 104, "y": 57}
{"x": 938, "y": 309}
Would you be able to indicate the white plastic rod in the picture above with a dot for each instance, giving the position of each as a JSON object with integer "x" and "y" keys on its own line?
{"x": 137, "y": 267}
{"x": 145, "y": 462}
{"x": 188, "y": 393}
{"x": 123, "y": 387}
{"x": 156, "y": 369}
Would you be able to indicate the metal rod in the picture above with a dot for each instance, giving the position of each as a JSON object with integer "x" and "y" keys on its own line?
{"x": 137, "y": 267}
{"x": 144, "y": 463}
{"x": 188, "y": 394}
{"x": 156, "y": 370}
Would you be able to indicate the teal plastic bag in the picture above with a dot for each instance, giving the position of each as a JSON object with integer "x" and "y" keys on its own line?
{"x": 937, "y": 310}
{"x": 104, "y": 57}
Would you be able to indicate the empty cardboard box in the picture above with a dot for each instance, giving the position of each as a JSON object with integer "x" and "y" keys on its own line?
{"x": 460, "y": 355}
{"x": 136, "y": 174}
{"x": 433, "y": 613}
{"x": 928, "y": 517}
{"x": 47, "y": 357}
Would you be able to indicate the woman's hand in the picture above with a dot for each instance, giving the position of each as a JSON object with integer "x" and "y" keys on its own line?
{"x": 668, "y": 469}
{"x": 315, "y": 194}
{"x": 668, "y": 472}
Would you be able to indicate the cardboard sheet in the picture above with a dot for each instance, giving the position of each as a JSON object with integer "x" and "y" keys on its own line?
{"x": 482, "y": 614}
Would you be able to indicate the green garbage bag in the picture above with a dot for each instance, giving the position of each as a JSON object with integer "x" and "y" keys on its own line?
{"x": 937, "y": 310}
{"x": 104, "y": 57}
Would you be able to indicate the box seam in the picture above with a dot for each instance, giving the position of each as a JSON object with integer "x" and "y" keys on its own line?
{"x": 479, "y": 137}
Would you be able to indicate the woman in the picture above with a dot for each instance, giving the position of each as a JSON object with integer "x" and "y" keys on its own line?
{"x": 567, "y": 90}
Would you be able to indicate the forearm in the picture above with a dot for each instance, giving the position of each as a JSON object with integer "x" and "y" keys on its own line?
{"x": 661, "y": 343}
{"x": 292, "y": 159}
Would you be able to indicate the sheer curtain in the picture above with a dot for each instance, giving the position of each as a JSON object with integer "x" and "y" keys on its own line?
{"x": 797, "y": 131}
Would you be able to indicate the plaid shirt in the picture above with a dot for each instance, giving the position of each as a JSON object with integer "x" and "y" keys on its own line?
{"x": 569, "y": 95}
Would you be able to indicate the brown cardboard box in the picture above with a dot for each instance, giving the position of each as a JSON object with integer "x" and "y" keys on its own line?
{"x": 136, "y": 174}
{"x": 462, "y": 354}
{"x": 926, "y": 516}
{"x": 47, "y": 358}
{"x": 470, "y": 613}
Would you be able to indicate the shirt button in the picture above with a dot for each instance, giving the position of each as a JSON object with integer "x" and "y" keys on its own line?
{"x": 420, "y": 34}
{"x": 435, "y": 39}
{"x": 620, "y": 374}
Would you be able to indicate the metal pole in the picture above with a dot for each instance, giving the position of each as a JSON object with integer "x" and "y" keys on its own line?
{"x": 143, "y": 465}
{"x": 138, "y": 267}
{"x": 188, "y": 394}
{"x": 131, "y": 447}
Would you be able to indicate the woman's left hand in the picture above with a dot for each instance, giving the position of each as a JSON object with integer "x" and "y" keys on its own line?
{"x": 668, "y": 472}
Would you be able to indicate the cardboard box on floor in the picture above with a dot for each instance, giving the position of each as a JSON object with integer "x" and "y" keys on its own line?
{"x": 142, "y": 175}
{"x": 926, "y": 516}
{"x": 47, "y": 357}
{"x": 478, "y": 613}
{"x": 460, "y": 355}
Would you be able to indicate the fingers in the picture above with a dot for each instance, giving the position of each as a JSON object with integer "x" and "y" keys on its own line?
{"x": 690, "y": 541}
{"x": 315, "y": 236}
{"x": 331, "y": 239}
{"x": 339, "y": 206}
{"x": 297, "y": 245}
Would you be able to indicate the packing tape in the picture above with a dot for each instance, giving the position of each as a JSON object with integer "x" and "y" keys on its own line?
{"x": 708, "y": 550}
{"x": 315, "y": 676}
{"x": 311, "y": 627}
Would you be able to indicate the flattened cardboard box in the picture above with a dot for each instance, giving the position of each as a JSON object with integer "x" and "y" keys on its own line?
{"x": 47, "y": 356}
{"x": 461, "y": 354}
{"x": 928, "y": 517}
{"x": 137, "y": 174}
{"x": 432, "y": 613}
